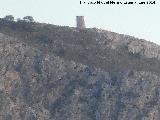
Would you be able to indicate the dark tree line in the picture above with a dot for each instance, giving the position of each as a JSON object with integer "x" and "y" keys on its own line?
{"x": 10, "y": 18}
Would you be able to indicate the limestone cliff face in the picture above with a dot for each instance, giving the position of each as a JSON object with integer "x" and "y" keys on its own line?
{"x": 61, "y": 73}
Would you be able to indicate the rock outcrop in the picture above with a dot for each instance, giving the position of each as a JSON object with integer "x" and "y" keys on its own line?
{"x": 148, "y": 49}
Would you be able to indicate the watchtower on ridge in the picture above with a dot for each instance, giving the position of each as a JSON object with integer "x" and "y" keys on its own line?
{"x": 80, "y": 22}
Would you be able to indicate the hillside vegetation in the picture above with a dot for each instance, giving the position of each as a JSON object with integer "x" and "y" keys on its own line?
{"x": 51, "y": 72}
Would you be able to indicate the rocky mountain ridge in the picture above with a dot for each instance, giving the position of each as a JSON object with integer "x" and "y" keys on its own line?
{"x": 60, "y": 73}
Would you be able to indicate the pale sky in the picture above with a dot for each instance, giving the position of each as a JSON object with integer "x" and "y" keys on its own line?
{"x": 142, "y": 21}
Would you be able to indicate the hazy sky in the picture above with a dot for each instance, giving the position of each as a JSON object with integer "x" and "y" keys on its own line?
{"x": 142, "y": 21}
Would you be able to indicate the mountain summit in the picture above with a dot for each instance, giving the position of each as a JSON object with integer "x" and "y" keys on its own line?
{"x": 51, "y": 72}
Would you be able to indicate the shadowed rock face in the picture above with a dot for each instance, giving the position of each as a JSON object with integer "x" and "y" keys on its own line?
{"x": 61, "y": 73}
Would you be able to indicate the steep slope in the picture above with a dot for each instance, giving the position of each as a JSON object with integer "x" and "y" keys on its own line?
{"x": 56, "y": 73}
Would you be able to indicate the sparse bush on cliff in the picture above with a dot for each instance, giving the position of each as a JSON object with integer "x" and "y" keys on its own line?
{"x": 9, "y": 18}
{"x": 28, "y": 19}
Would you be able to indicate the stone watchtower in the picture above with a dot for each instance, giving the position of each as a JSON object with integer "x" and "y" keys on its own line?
{"x": 80, "y": 22}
